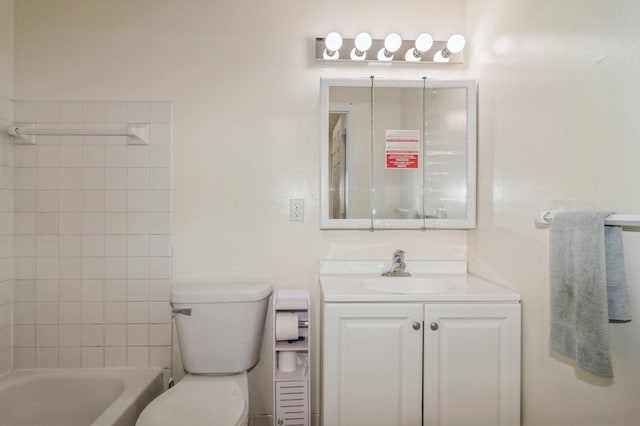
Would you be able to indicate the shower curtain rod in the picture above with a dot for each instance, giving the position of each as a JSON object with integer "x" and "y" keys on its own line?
{"x": 138, "y": 133}
{"x": 546, "y": 217}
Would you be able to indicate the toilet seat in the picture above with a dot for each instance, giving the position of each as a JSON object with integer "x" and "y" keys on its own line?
{"x": 200, "y": 401}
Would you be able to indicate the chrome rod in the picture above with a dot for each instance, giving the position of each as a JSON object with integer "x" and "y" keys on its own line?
{"x": 546, "y": 217}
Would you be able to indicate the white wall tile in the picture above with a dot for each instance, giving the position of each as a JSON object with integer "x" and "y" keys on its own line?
{"x": 138, "y": 156}
{"x": 46, "y": 335}
{"x": 47, "y": 245}
{"x": 92, "y": 335}
{"x": 160, "y": 267}
{"x": 115, "y": 335}
{"x": 25, "y": 156}
{"x": 70, "y": 156}
{"x": 92, "y": 290}
{"x": 115, "y": 245}
{"x": 48, "y": 112}
{"x": 115, "y": 290}
{"x": 115, "y": 268}
{"x": 24, "y": 313}
{"x": 115, "y": 223}
{"x": 70, "y": 335}
{"x": 159, "y": 289}
{"x": 93, "y": 201}
{"x": 115, "y": 313}
{"x": 70, "y": 357}
{"x": 138, "y": 223}
{"x": 24, "y": 335}
{"x": 47, "y": 201}
{"x": 93, "y": 112}
{"x": 93, "y": 156}
{"x": 70, "y": 201}
{"x": 92, "y": 357}
{"x": 137, "y": 334}
{"x": 137, "y": 268}
{"x": 160, "y": 334}
{"x": 137, "y": 312}
{"x": 137, "y": 357}
{"x": 46, "y": 269}
{"x": 47, "y": 357}
{"x": 115, "y": 156}
{"x": 93, "y": 223}
{"x": 115, "y": 112}
{"x": 47, "y": 290}
{"x": 70, "y": 290}
{"x": 24, "y": 291}
{"x": 138, "y": 112}
{"x": 160, "y": 178}
{"x": 138, "y": 178}
{"x": 92, "y": 268}
{"x": 71, "y": 223}
{"x": 47, "y": 178}
{"x": 24, "y": 178}
{"x": 115, "y": 178}
{"x": 159, "y": 312}
{"x": 70, "y": 178}
{"x": 47, "y": 223}
{"x": 70, "y": 112}
{"x": 24, "y": 245}
{"x": 24, "y": 201}
{"x": 115, "y": 356}
{"x": 115, "y": 201}
{"x": 138, "y": 201}
{"x": 138, "y": 245}
{"x": 160, "y": 134}
{"x": 24, "y": 111}
{"x": 137, "y": 290}
{"x": 159, "y": 245}
{"x": 93, "y": 245}
{"x": 24, "y": 357}
{"x": 93, "y": 178}
{"x": 70, "y": 268}
{"x": 47, "y": 313}
{"x": 48, "y": 156}
{"x": 24, "y": 223}
{"x": 160, "y": 356}
{"x": 70, "y": 313}
{"x": 160, "y": 156}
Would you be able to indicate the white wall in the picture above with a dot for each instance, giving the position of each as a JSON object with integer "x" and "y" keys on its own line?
{"x": 558, "y": 106}
{"x": 7, "y": 36}
{"x": 245, "y": 91}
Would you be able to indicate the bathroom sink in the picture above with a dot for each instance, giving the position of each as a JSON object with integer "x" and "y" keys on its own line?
{"x": 409, "y": 285}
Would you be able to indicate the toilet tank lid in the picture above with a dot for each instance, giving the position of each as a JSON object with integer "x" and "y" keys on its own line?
{"x": 219, "y": 292}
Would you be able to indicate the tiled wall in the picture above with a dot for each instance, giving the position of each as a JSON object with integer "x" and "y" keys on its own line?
{"x": 92, "y": 246}
{"x": 6, "y": 232}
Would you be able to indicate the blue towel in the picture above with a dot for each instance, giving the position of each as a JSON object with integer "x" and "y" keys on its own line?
{"x": 587, "y": 288}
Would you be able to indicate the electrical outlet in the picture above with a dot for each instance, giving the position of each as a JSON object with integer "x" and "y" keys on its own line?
{"x": 296, "y": 210}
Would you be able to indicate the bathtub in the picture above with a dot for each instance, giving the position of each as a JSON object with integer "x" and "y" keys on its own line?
{"x": 74, "y": 397}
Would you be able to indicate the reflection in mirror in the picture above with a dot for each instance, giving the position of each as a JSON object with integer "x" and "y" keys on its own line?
{"x": 398, "y": 154}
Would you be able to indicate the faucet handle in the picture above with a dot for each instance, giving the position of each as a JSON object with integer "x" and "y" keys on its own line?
{"x": 399, "y": 255}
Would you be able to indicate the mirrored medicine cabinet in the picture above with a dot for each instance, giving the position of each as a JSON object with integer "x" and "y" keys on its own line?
{"x": 398, "y": 154}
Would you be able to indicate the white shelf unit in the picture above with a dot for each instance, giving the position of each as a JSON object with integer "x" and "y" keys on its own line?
{"x": 291, "y": 388}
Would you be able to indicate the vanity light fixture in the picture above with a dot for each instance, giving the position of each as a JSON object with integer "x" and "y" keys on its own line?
{"x": 392, "y": 44}
{"x": 422, "y": 44}
{"x": 424, "y": 49}
{"x": 333, "y": 43}
{"x": 362, "y": 43}
{"x": 455, "y": 44}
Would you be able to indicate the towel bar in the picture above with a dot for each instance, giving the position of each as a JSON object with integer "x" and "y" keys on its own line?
{"x": 546, "y": 217}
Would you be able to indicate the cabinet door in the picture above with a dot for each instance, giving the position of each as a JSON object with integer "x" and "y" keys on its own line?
{"x": 372, "y": 364}
{"x": 472, "y": 365}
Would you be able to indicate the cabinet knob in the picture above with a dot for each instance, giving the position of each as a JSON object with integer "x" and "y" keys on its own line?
{"x": 280, "y": 421}
{"x": 416, "y": 325}
{"x": 434, "y": 326}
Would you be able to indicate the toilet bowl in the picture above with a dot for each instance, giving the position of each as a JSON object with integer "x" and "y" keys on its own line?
{"x": 220, "y": 328}
{"x": 201, "y": 400}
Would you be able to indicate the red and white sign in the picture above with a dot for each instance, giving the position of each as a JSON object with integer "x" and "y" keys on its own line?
{"x": 402, "y": 149}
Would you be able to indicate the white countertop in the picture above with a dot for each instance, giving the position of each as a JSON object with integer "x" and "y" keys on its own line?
{"x": 356, "y": 281}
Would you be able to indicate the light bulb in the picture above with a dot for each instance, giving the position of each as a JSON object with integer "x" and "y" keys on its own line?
{"x": 411, "y": 55}
{"x": 392, "y": 42}
{"x": 391, "y": 45}
{"x": 455, "y": 43}
{"x": 333, "y": 41}
{"x": 363, "y": 42}
{"x": 424, "y": 42}
{"x": 438, "y": 57}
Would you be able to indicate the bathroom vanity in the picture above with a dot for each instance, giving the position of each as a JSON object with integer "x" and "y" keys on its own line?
{"x": 438, "y": 348}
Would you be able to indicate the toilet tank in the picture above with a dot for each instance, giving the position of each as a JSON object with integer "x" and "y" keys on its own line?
{"x": 220, "y": 325}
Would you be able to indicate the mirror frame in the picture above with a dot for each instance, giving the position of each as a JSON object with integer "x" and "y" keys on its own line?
{"x": 370, "y": 223}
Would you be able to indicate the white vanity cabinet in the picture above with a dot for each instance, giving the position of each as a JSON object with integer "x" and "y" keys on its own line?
{"x": 372, "y": 364}
{"x": 472, "y": 364}
{"x": 435, "y": 364}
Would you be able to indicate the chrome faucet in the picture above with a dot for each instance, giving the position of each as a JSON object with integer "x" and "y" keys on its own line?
{"x": 397, "y": 266}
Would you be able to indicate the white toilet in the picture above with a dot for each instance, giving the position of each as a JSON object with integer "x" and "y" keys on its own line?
{"x": 220, "y": 328}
